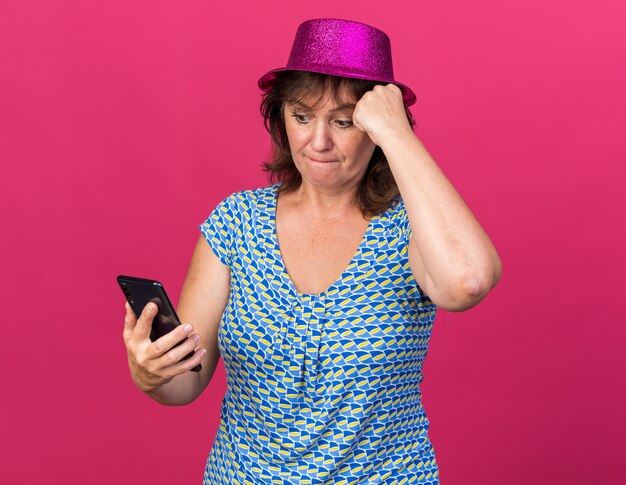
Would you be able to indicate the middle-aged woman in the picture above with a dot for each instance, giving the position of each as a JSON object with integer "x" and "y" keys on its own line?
{"x": 320, "y": 291}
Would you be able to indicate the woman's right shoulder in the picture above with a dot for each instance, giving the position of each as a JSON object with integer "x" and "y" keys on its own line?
{"x": 246, "y": 199}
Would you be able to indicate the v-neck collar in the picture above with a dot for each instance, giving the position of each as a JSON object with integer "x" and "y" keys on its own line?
{"x": 272, "y": 202}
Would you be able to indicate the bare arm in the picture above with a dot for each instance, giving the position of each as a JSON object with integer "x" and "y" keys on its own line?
{"x": 202, "y": 302}
{"x": 452, "y": 258}
{"x": 155, "y": 366}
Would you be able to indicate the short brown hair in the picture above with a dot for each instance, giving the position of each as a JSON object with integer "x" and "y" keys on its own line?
{"x": 377, "y": 189}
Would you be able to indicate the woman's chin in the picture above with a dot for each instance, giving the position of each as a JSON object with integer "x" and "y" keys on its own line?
{"x": 328, "y": 181}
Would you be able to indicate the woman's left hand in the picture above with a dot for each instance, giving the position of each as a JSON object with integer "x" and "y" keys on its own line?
{"x": 380, "y": 113}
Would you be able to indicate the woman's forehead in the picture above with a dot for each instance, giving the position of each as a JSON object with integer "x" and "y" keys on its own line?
{"x": 332, "y": 99}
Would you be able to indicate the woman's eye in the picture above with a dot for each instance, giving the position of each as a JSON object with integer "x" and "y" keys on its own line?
{"x": 344, "y": 123}
{"x": 300, "y": 118}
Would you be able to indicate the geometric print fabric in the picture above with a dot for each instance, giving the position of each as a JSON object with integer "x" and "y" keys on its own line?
{"x": 321, "y": 388}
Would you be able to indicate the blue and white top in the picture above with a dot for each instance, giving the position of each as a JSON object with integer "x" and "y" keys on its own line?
{"x": 321, "y": 388}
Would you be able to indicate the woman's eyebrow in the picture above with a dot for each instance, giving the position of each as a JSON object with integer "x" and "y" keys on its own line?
{"x": 297, "y": 105}
{"x": 343, "y": 107}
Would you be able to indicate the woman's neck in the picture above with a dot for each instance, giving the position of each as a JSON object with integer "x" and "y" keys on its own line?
{"x": 322, "y": 203}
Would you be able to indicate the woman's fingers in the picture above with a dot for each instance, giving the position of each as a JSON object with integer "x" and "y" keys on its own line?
{"x": 174, "y": 355}
{"x": 380, "y": 112}
{"x": 186, "y": 365}
{"x": 167, "y": 341}
{"x": 157, "y": 371}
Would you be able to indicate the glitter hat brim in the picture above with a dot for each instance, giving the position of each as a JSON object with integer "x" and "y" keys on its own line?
{"x": 342, "y": 48}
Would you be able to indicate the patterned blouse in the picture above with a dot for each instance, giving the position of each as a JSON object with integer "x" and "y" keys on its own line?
{"x": 321, "y": 388}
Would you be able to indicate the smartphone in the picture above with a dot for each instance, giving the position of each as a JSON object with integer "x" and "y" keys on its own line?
{"x": 139, "y": 292}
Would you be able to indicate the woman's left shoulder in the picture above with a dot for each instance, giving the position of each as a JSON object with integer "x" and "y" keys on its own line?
{"x": 395, "y": 213}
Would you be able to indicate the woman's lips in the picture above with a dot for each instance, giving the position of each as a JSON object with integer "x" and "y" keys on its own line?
{"x": 320, "y": 161}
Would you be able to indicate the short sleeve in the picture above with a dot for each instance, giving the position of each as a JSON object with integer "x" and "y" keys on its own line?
{"x": 219, "y": 230}
{"x": 401, "y": 221}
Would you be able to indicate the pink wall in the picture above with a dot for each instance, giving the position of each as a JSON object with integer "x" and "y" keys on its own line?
{"x": 123, "y": 123}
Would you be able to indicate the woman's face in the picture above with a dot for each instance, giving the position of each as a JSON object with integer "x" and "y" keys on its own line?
{"x": 327, "y": 149}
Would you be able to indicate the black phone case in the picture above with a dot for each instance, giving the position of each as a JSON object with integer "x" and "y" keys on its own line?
{"x": 139, "y": 292}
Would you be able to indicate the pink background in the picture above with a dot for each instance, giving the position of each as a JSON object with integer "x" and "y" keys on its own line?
{"x": 122, "y": 124}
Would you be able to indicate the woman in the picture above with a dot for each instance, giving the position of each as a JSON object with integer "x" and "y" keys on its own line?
{"x": 319, "y": 292}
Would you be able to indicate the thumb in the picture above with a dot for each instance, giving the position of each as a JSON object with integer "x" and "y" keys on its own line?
{"x": 130, "y": 322}
{"x": 357, "y": 116}
{"x": 356, "y": 123}
{"x": 144, "y": 323}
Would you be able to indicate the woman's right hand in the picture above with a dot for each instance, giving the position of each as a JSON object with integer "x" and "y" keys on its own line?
{"x": 154, "y": 364}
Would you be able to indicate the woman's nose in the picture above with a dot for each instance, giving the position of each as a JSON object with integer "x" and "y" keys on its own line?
{"x": 321, "y": 138}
